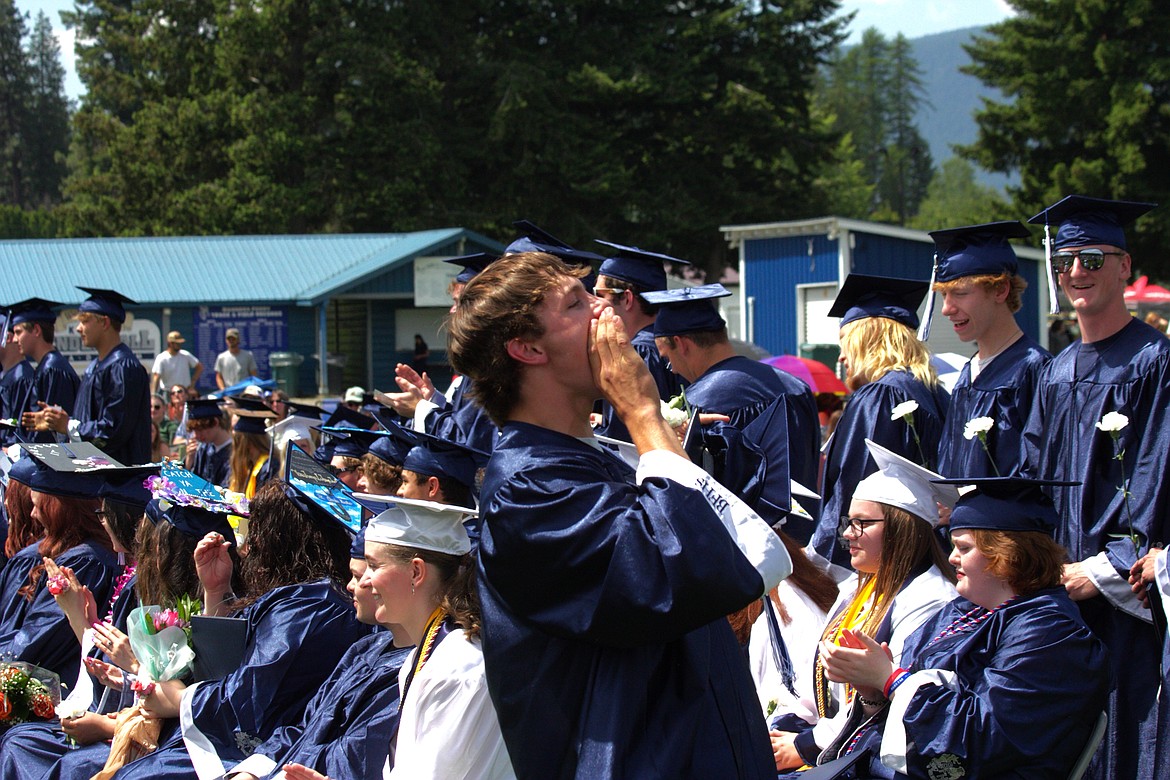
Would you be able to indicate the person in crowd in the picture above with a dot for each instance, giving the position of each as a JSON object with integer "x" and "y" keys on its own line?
{"x": 175, "y": 366}
{"x": 1006, "y": 680}
{"x": 278, "y": 402}
{"x": 422, "y": 354}
{"x": 381, "y": 460}
{"x": 54, "y": 381}
{"x": 209, "y": 451}
{"x": 977, "y": 275}
{"x": 888, "y": 368}
{"x": 348, "y": 451}
{"x": 778, "y": 407}
{"x": 1120, "y": 365}
{"x": 234, "y": 364}
{"x": 355, "y": 398}
{"x": 23, "y": 528}
{"x": 903, "y": 579}
{"x": 113, "y": 407}
{"x": 593, "y": 573}
{"x": 166, "y": 426}
{"x": 621, "y": 280}
{"x": 177, "y": 404}
{"x": 300, "y": 624}
{"x": 32, "y": 627}
{"x": 440, "y": 471}
{"x": 17, "y": 384}
{"x": 348, "y": 726}
{"x": 779, "y": 654}
{"x": 1059, "y": 335}
{"x": 249, "y": 461}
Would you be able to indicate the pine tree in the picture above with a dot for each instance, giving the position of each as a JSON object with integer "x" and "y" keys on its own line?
{"x": 46, "y": 138}
{"x": 14, "y": 80}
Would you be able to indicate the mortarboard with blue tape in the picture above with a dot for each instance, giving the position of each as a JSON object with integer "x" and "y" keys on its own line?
{"x": 687, "y": 309}
{"x": 864, "y": 296}
{"x": 319, "y": 493}
{"x": 1006, "y": 504}
{"x": 637, "y": 266}
{"x": 472, "y": 265}
{"x": 108, "y": 303}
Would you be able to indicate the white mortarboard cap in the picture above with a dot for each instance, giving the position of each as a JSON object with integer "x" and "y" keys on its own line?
{"x": 293, "y": 428}
{"x": 904, "y": 484}
{"x": 426, "y": 525}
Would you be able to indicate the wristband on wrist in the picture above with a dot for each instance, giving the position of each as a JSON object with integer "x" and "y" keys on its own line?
{"x": 893, "y": 681}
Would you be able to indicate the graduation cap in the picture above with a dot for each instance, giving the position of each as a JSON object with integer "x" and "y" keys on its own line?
{"x": 425, "y": 525}
{"x": 637, "y": 266}
{"x": 864, "y": 296}
{"x": 108, "y": 303}
{"x": 1083, "y": 221}
{"x": 904, "y": 484}
{"x": 382, "y": 444}
{"x": 191, "y": 520}
{"x": 192, "y": 504}
{"x": 1006, "y": 504}
{"x": 343, "y": 416}
{"x": 126, "y": 486}
{"x": 357, "y": 549}
{"x": 204, "y": 409}
{"x": 971, "y": 251}
{"x": 291, "y": 428}
{"x": 39, "y": 477}
{"x": 435, "y": 457}
{"x": 472, "y": 264}
{"x": 251, "y": 414}
{"x": 535, "y": 239}
{"x": 687, "y": 309}
{"x": 308, "y": 411}
{"x": 34, "y": 310}
{"x": 318, "y": 493}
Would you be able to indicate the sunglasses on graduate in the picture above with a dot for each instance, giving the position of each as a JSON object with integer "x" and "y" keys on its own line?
{"x": 1091, "y": 259}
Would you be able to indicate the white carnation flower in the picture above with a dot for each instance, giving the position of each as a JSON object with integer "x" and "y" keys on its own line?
{"x": 977, "y": 427}
{"x": 904, "y": 410}
{"x": 1113, "y": 422}
{"x": 674, "y": 417}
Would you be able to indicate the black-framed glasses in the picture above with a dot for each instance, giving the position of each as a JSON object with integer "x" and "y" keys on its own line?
{"x": 855, "y": 524}
{"x": 1091, "y": 259}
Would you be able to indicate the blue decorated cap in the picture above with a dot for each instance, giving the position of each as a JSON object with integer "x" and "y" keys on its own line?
{"x": 36, "y": 310}
{"x": 637, "y": 266}
{"x": 1006, "y": 504}
{"x": 687, "y": 309}
{"x": 1085, "y": 221}
{"x": 108, "y": 303}
{"x": 425, "y": 525}
{"x": 472, "y": 265}
{"x": 535, "y": 239}
{"x": 977, "y": 250}
{"x": 902, "y": 483}
{"x": 68, "y": 484}
{"x": 864, "y": 296}
{"x": 318, "y": 493}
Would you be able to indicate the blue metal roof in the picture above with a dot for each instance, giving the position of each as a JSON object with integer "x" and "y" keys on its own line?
{"x": 218, "y": 270}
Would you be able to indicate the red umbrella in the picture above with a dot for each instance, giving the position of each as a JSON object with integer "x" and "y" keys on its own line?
{"x": 818, "y": 376}
{"x": 1141, "y": 291}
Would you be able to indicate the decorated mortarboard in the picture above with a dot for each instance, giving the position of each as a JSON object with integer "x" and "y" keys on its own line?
{"x": 192, "y": 504}
{"x": 34, "y": 310}
{"x": 971, "y": 251}
{"x": 1006, "y": 504}
{"x": 41, "y": 478}
{"x": 73, "y": 470}
{"x": 318, "y": 492}
{"x": 637, "y": 266}
{"x": 535, "y": 239}
{"x": 687, "y": 309}
{"x": 435, "y": 457}
{"x": 864, "y": 296}
{"x": 80, "y": 456}
{"x": 425, "y": 525}
{"x": 1083, "y": 221}
{"x": 904, "y": 484}
{"x": 108, "y": 303}
{"x": 204, "y": 409}
{"x": 472, "y": 265}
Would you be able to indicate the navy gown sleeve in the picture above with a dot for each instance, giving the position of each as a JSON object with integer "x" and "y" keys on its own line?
{"x": 867, "y": 416}
{"x": 117, "y": 420}
{"x": 17, "y": 396}
{"x": 57, "y": 381}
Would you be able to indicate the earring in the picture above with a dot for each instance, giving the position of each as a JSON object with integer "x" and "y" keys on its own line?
{"x": 412, "y": 587}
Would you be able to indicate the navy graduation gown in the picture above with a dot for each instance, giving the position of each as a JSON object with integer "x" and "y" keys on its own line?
{"x": 215, "y": 465}
{"x": 669, "y": 384}
{"x": 32, "y": 751}
{"x": 16, "y": 391}
{"x": 742, "y": 389}
{"x": 867, "y": 416}
{"x": 38, "y": 631}
{"x": 54, "y": 382}
{"x": 113, "y": 406}
{"x": 296, "y": 635}
{"x": 1003, "y": 391}
{"x": 1031, "y": 683}
{"x": 605, "y": 640}
{"x": 1130, "y": 375}
{"x": 349, "y": 724}
{"x": 462, "y": 420}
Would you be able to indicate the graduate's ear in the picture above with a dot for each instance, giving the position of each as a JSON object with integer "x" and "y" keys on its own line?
{"x": 432, "y": 488}
{"x": 526, "y": 352}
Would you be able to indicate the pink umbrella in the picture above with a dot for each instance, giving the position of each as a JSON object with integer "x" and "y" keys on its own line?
{"x": 816, "y": 374}
{"x": 1141, "y": 291}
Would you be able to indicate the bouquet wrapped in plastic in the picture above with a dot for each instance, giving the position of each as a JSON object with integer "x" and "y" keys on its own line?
{"x": 27, "y": 693}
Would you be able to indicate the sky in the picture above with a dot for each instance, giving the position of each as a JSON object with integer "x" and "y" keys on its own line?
{"x": 912, "y": 18}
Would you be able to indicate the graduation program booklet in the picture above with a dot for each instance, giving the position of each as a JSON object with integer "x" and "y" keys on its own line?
{"x": 219, "y": 644}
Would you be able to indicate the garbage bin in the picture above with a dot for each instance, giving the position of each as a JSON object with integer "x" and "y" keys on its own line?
{"x": 335, "y": 371}
{"x": 284, "y": 367}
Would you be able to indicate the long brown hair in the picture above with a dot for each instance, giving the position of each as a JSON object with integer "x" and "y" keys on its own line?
{"x": 247, "y": 449}
{"x": 23, "y": 528}
{"x": 68, "y": 522}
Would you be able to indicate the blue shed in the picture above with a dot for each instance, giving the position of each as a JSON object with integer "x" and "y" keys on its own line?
{"x": 790, "y": 273}
{"x": 356, "y": 299}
